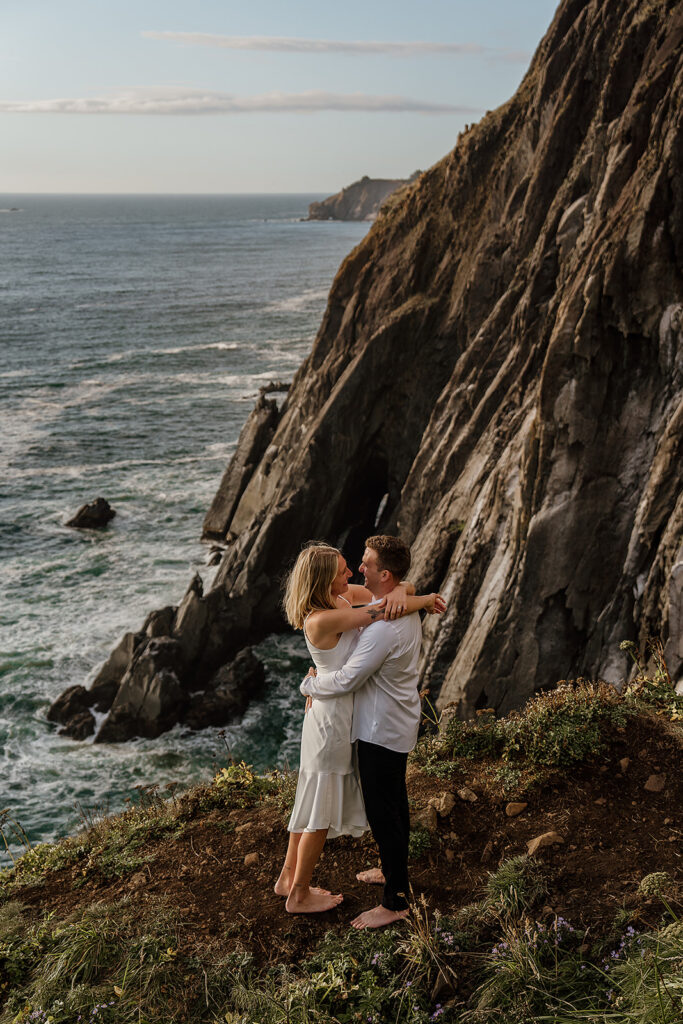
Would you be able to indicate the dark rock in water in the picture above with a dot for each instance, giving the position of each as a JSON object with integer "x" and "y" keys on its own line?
{"x": 360, "y": 201}
{"x": 150, "y": 698}
{"x": 71, "y": 710}
{"x": 95, "y": 514}
{"x": 254, "y": 439}
{"x": 73, "y": 701}
{"x": 232, "y": 689}
{"x": 499, "y": 378}
{"x": 79, "y": 727}
{"x": 105, "y": 685}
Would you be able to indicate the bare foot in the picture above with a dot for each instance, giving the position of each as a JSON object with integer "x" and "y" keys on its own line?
{"x": 378, "y": 917}
{"x": 281, "y": 888}
{"x": 312, "y": 902}
{"x": 373, "y": 876}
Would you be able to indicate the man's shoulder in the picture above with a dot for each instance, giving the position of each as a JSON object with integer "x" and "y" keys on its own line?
{"x": 408, "y": 628}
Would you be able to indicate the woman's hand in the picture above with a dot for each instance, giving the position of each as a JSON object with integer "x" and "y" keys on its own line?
{"x": 396, "y": 602}
{"x": 436, "y": 605}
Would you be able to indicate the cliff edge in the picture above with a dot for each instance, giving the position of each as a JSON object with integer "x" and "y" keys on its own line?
{"x": 499, "y": 377}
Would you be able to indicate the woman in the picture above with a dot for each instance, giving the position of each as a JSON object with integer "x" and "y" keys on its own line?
{"x": 319, "y": 600}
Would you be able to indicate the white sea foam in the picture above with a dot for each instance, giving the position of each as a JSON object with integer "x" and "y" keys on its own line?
{"x": 148, "y": 353}
{"x": 298, "y": 303}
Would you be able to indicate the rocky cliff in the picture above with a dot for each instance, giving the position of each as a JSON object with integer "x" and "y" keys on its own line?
{"x": 498, "y": 377}
{"x": 360, "y": 201}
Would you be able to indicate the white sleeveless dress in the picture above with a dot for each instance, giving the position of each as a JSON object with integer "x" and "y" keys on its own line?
{"x": 328, "y": 793}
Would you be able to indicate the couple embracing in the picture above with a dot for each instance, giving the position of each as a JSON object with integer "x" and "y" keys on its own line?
{"x": 362, "y": 718}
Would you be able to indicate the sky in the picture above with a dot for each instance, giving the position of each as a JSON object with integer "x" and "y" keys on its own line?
{"x": 215, "y": 96}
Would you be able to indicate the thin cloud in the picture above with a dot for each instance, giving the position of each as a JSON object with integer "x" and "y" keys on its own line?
{"x": 161, "y": 101}
{"x": 286, "y": 44}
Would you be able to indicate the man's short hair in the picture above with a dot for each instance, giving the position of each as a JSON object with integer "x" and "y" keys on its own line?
{"x": 392, "y": 554}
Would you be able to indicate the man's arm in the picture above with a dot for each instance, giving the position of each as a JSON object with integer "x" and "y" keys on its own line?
{"x": 371, "y": 652}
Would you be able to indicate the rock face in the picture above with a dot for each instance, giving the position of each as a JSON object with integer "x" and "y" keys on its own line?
{"x": 499, "y": 378}
{"x": 256, "y": 435}
{"x": 360, "y": 201}
{"x": 95, "y": 514}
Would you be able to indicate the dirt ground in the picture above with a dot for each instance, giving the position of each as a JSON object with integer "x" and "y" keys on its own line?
{"x": 614, "y": 831}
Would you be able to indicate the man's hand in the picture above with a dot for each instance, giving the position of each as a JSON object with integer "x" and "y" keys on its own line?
{"x": 396, "y": 602}
{"x": 311, "y": 672}
{"x": 436, "y": 606}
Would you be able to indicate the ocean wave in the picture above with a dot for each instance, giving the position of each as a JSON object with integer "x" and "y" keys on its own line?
{"x": 298, "y": 303}
{"x": 75, "y": 471}
{"x": 136, "y": 353}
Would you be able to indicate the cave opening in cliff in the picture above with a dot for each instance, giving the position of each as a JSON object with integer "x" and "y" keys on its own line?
{"x": 366, "y": 509}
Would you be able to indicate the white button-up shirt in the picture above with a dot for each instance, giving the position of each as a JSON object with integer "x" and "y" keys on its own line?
{"x": 383, "y": 673}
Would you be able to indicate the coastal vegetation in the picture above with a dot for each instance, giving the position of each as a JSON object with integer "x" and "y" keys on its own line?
{"x": 546, "y": 855}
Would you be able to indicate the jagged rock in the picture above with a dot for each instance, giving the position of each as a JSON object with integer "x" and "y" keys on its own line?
{"x": 254, "y": 439}
{"x": 547, "y": 839}
{"x": 673, "y": 652}
{"x": 150, "y": 699}
{"x": 105, "y": 685}
{"x": 93, "y": 515}
{"x": 232, "y": 689}
{"x": 160, "y": 623}
{"x": 360, "y": 201}
{"x": 655, "y": 783}
{"x": 79, "y": 726}
{"x": 534, "y": 347}
{"x": 275, "y": 387}
{"x": 73, "y": 701}
{"x": 191, "y": 620}
{"x": 215, "y": 554}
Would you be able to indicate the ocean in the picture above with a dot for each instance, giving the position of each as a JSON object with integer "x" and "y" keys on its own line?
{"x": 135, "y": 332}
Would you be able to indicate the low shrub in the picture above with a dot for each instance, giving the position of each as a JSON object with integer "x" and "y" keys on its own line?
{"x": 238, "y": 785}
{"x": 517, "y": 886}
{"x": 557, "y": 729}
{"x": 420, "y": 842}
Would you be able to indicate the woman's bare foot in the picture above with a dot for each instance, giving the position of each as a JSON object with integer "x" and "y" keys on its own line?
{"x": 378, "y": 917}
{"x": 282, "y": 889}
{"x": 373, "y": 876}
{"x": 307, "y": 901}
{"x": 283, "y": 884}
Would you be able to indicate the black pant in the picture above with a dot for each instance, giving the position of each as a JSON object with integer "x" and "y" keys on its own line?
{"x": 383, "y": 781}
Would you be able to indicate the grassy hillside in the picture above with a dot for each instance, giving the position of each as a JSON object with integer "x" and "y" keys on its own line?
{"x": 166, "y": 912}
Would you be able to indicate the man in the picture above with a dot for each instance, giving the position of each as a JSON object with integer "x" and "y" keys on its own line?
{"x": 383, "y": 670}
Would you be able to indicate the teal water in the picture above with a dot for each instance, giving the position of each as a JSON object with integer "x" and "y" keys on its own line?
{"x": 134, "y": 334}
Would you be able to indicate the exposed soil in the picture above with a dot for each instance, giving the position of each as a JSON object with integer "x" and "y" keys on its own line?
{"x": 614, "y": 831}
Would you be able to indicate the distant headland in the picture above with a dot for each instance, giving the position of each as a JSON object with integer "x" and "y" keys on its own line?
{"x": 359, "y": 201}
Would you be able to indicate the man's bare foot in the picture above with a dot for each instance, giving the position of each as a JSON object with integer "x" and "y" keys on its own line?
{"x": 373, "y": 876}
{"x": 378, "y": 917}
{"x": 311, "y": 902}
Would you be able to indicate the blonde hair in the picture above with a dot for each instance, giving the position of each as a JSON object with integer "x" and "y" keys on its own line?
{"x": 309, "y": 584}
